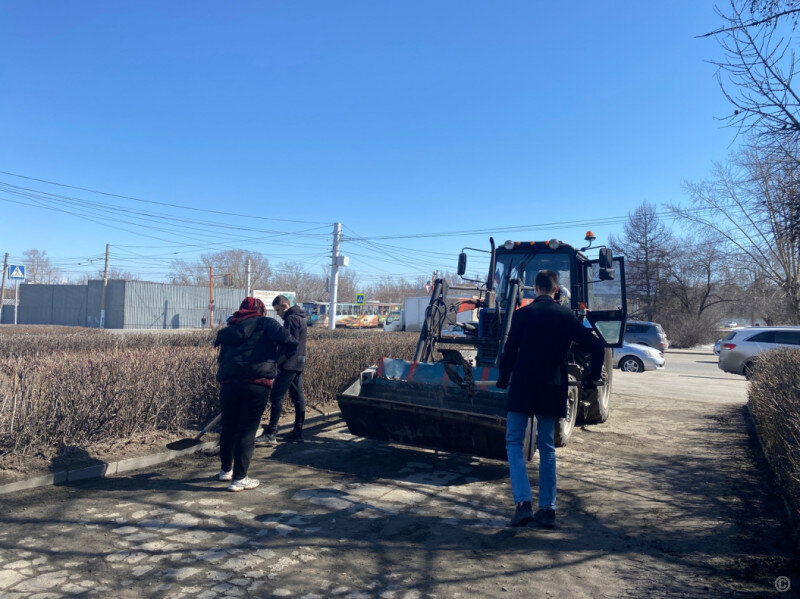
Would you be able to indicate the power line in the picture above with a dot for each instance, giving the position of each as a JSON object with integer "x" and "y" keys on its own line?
{"x": 114, "y": 195}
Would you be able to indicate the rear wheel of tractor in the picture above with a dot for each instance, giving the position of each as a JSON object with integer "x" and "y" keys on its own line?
{"x": 597, "y": 400}
{"x": 565, "y": 426}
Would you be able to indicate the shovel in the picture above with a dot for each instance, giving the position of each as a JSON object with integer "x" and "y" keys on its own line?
{"x": 188, "y": 442}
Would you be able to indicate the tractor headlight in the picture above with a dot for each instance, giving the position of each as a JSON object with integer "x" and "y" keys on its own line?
{"x": 554, "y": 244}
{"x": 509, "y": 245}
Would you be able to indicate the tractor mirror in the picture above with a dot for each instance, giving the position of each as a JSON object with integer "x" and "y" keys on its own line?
{"x": 606, "y": 270}
{"x": 462, "y": 264}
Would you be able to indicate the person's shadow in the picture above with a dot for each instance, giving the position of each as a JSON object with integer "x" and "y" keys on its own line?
{"x": 71, "y": 457}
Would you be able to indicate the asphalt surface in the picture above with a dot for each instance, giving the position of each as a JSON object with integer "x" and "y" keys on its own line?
{"x": 670, "y": 497}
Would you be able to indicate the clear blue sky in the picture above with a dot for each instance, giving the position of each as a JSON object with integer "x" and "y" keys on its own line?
{"x": 392, "y": 117}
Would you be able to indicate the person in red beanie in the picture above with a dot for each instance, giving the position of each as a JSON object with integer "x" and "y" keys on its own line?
{"x": 250, "y": 347}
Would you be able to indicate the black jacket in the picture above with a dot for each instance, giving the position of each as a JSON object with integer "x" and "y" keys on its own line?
{"x": 250, "y": 349}
{"x": 294, "y": 321}
{"x": 535, "y": 357}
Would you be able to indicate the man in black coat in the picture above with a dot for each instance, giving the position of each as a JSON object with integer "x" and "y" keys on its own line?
{"x": 534, "y": 360}
{"x": 291, "y": 376}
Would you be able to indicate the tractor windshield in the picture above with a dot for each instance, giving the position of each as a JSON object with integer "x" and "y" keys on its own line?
{"x": 518, "y": 265}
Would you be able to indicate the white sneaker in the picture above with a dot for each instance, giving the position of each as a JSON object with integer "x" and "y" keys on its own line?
{"x": 243, "y": 484}
{"x": 226, "y": 475}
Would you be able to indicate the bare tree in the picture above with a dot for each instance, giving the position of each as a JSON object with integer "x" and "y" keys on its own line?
{"x": 349, "y": 285}
{"x": 389, "y": 289}
{"x": 113, "y": 273}
{"x": 757, "y": 73}
{"x": 291, "y": 276}
{"x": 39, "y": 268}
{"x": 230, "y": 268}
{"x": 697, "y": 277}
{"x": 751, "y": 204}
{"x": 644, "y": 242}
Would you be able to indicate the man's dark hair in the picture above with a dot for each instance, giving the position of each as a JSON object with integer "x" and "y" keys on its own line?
{"x": 280, "y": 299}
{"x": 547, "y": 281}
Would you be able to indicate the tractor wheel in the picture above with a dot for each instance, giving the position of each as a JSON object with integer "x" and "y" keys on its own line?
{"x": 597, "y": 400}
{"x": 565, "y": 426}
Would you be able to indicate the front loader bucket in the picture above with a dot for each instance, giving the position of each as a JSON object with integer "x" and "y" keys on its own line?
{"x": 428, "y": 405}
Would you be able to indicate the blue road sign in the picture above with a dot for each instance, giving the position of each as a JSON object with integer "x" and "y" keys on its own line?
{"x": 16, "y": 271}
{"x": 361, "y": 298}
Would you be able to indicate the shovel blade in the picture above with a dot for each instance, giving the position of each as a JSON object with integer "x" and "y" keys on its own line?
{"x": 183, "y": 444}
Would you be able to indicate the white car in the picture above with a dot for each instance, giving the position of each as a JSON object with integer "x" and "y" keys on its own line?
{"x": 632, "y": 357}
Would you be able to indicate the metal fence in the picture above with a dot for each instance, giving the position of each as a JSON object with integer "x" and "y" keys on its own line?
{"x": 129, "y": 305}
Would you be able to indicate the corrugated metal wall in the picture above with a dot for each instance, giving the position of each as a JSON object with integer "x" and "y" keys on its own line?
{"x": 166, "y": 306}
{"x": 129, "y": 305}
{"x": 115, "y": 303}
{"x": 52, "y": 304}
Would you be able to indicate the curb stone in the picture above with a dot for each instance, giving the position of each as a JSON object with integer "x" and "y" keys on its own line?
{"x": 111, "y": 468}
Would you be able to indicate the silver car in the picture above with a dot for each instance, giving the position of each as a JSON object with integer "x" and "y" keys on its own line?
{"x": 740, "y": 349}
{"x": 646, "y": 333}
{"x": 633, "y": 357}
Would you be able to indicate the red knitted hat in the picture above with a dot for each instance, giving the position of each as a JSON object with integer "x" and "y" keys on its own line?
{"x": 253, "y": 303}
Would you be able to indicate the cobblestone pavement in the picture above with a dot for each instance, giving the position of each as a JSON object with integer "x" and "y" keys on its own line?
{"x": 652, "y": 503}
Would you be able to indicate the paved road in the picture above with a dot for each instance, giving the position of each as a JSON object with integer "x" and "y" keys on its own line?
{"x": 668, "y": 498}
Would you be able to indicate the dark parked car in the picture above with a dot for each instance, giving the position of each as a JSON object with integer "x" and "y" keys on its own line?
{"x": 646, "y": 333}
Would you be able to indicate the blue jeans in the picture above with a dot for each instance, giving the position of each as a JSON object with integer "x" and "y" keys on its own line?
{"x": 516, "y": 423}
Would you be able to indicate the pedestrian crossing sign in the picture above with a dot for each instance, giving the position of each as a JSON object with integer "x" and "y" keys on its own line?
{"x": 360, "y": 299}
{"x": 16, "y": 271}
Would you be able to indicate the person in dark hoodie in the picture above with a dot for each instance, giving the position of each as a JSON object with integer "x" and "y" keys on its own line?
{"x": 290, "y": 378}
{"x": 251, "y": 347}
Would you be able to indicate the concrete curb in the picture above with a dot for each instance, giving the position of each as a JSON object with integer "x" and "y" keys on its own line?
{"x": 104, "y": 469}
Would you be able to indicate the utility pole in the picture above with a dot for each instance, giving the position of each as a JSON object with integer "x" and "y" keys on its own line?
{"x": 211, "y": 296}
{"x": 249, "y": 292}
{"x": 3, "y": 286}
{"x": 103, "y": 296}
{"x": 337, "y": 237}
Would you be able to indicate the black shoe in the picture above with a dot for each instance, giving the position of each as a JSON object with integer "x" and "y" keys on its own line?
{"x": 296, "y": 436}
{"x": 523, "y": 515}
{"x": 266, "y": 440}
{"x": 545, "y": 518}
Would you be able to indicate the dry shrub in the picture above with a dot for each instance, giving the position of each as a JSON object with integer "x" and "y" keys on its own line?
{"x": 45, "y": 340}
{"x": 76, "y": 399}
{"x": 774, "y": 399}
{"x": 684, "y": 330}
{"x": 336, "y": 361}
{"x": 69, "y": 388}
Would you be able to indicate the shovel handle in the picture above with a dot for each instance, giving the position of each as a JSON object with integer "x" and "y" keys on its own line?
{"x": 569, "y": 384}
{"x": 209, "y": 425}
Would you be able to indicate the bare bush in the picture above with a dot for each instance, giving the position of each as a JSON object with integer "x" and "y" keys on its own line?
{"x": 74, "y": 388}
{"x": 35, "y": 340}
{"x": 688, "y": 330}
{"x": 774, "y": 400}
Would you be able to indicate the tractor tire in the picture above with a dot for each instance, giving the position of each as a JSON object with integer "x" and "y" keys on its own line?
{"x": 565, "y": 426}
{"x": 597, "y": 400}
